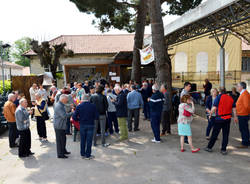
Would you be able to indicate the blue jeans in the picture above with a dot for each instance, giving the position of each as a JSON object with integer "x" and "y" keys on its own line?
{"x": 86, "y": 133}
{"x": 155, "y": 124}
{"x": 210, "y": 125}
{"x": 244, "y": 130}
{"x": 112, "y": 118}
{"x": 146, "y": 110}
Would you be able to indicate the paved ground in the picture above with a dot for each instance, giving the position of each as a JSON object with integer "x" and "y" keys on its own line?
{"x": 137, "y": 161}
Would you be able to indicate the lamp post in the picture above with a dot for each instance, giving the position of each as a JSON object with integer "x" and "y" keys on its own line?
{"x": 2, "y": 53}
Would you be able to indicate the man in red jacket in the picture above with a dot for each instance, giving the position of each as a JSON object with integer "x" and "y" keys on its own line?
{"x": 243, "y": 112}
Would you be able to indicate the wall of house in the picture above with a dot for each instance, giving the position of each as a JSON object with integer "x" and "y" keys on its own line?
{"x": 35, "y": 67}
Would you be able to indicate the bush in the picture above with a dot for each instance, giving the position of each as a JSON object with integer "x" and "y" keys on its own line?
{"x": 7, "y": 86}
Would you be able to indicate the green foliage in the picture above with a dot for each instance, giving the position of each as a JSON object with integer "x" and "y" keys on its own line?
{"x": 7, "y": 86}
{"x": 121, "y": 14}
{"x": 21, "y": 46}
{"x": 59, "y": 75}
{"x": 6, "y": 55}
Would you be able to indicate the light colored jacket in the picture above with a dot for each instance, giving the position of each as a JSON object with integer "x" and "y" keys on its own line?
{"x": 33, "y": 94}
{"x": 111, "y": 107}
{"x": 184, "y": 119}
{"x": 60, "y": 116}
{"x": 22, "y": 118}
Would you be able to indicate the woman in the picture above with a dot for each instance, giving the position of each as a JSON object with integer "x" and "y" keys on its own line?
{"x": 235, "y": 95}
{"x": 209, "y": 105}
{"x": 184, "y": 120}
{"x": 40, "y": 107}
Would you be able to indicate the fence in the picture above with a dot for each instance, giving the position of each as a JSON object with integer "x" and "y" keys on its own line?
{"x": 232, "y": 77}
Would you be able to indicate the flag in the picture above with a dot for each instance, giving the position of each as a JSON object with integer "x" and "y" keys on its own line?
{"x": 147, "y": 55}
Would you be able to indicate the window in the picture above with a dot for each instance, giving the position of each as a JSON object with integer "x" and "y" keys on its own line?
{"x": 246, "y": 64}
{"x": 180, "y": 62}
{"x": 226, "y": 62}
{"x": 202, "y": 62}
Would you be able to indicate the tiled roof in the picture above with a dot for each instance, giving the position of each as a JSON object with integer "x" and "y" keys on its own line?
{"x": 11, "y": 65}
{"x": 95, "y": 44}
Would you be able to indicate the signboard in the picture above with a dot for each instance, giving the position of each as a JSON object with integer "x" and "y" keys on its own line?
{"x": 147, "y": 55}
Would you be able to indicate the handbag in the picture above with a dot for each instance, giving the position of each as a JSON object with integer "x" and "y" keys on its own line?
{"x": 44, "y": 114}
{"x": 186, "y": 113}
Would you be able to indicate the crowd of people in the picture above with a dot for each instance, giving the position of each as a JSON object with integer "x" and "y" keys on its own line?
{"x": 102, "y": 109}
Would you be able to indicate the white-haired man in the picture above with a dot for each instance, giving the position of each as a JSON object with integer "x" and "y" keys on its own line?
{"x": 23, "y": 124}
{"x": 60, "y": 125}
{"x": 9, "y": 114}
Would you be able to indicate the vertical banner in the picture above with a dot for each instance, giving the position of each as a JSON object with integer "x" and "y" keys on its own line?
{"x": 147, "y": 55}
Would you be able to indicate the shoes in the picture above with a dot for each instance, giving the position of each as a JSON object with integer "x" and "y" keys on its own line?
{"x": 242, "y": 147}
{"x": 67, "y": 153}
{"x": 162, "y": 134}
{"x": 69, "y": 134}
{"x": 14, "y": 146}
{"x": 23, "y": 156}
{"x": 130, "y": 130}
{"x": 31, "y": 153}
{"x": 186, "y": 142}
{"x": 223, "y": 152}
{"x": 137, "y": 129}
{"x": 106, "y": 134}
{"x": 44, "y": 140}
{"x": 155, "y": 141}
{"x": 106, "y": 145}
{"x": 183, "y": 150}
{"x": 208, "y": 150}
{"x": 208, "y": 138}
{"x": 196, "y": 150}
{"x": 63, "y": 157}
{"x": 89, "y": 158}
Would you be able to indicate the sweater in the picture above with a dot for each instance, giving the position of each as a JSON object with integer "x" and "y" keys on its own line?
{"x": 134, "y": 100}
{"x": 156, "y": 102}
{"x": 111, "y": 107}
{"x": 243, "y": 104}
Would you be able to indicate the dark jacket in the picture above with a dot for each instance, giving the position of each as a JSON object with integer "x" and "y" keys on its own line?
{"x": 121, "y": 105}
{"x": 86, "y": 113}
{"x": 156, "y": 102}
{"x": 145, "y": 93}
{"x": 101, "y": 103}
{"x": 209, "y": 102}
{"x": 166, "y": 104}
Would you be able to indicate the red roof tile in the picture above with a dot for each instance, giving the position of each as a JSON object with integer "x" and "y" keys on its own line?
{"x": 95, "y": 44}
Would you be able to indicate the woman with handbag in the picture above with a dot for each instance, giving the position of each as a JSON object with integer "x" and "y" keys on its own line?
{"x": 184, "y": 120}
{"x": 41, "y": 115}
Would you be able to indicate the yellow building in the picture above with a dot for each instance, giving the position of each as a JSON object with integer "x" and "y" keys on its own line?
{"x": 199, "y": 59}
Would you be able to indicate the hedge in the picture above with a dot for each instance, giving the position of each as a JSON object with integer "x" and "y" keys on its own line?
{"x": 7, "y": 86}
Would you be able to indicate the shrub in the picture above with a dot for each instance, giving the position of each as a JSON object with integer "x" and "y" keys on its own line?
{"x": 7, "y": 86}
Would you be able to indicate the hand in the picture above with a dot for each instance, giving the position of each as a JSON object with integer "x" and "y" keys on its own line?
{"x": 236, "y": 120}
{"x": 30, "y": 112}
{"x": 148, "y": 99}
{"x": 72, "y": 110}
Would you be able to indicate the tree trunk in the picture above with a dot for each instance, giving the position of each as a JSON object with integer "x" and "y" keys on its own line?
{"x": 138, "y": 40}
{"x": 162, "y": 60}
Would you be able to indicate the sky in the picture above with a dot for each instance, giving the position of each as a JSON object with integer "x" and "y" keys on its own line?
{"x": 47, "y": 19}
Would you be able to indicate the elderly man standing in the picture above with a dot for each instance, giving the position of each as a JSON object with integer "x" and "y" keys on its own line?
{"x": 9, "y": 114}
{"x": 23, "y": 124}
{"x": 243, "y": 112}
{"x": 165, "y": 118}
{"x": 33, "y": 90}
{"x": 60, "y": 125}
{"x": 86, "y": 113}
{"x": 135, "y": 102}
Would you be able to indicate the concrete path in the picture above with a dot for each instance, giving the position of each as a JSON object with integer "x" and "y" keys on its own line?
{"x": 137, "y": 161}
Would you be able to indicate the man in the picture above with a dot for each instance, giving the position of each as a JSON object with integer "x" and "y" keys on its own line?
{"x": 68, "y": 107}
{"x": 135, "y": 102}
{"x": 33, "y": 90}
{"x": 9, "y": 114}
{"x": 165, "y": 118}
{"x": 86, "y": 86}
{"x": 43, "y": 92}
{"x": 243, "y": 112}
{"x": 146, "y": 93}
{"x": 74, "y": 88}
{"x": 102, "y": 106}
{"x": 156, "y": 103}
{"x": 112, "y": 118}
{"x": 60, "y": 126}
{"x": 86, "y": 113}
{"x": 207, "y": 88}
{"x": 185, "y": 91}
{"x": 223, "y": 105}
{"x": 23, "y": 124}
{"x": 121, "y": 112}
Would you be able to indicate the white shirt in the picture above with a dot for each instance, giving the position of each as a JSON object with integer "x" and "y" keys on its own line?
{"x": 33, "y": 94}
{"x": 242, "y": 91}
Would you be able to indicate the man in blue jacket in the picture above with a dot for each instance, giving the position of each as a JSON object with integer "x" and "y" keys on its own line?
{"x": 135, "y": 102}
{"x": 156, "y": 105}
{"x": 86, "y": 113}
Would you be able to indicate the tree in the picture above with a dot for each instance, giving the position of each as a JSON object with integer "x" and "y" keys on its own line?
{"x": 49, "y": 55}
{"x": 129, "y": 15}
{"x": 21, "y": 46}
{"x": 6, "y": 55}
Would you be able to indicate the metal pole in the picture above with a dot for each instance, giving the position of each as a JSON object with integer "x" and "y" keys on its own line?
{"x": 222, "y": 67}
{"x": 1, "y": 56}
